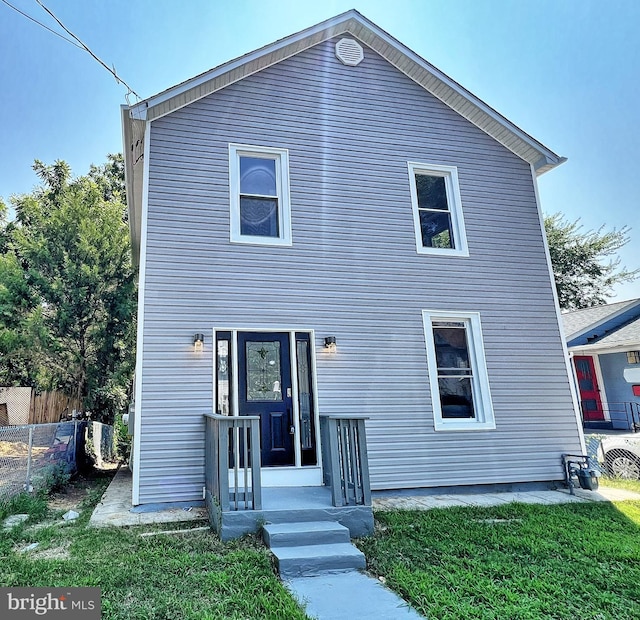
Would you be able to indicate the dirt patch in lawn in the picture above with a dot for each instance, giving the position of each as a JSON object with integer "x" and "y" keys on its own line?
{"x": 60, "y": 552}
{"x": 76, "y": 492}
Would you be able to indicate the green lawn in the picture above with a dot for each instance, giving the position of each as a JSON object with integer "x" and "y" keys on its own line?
{"x": 620, "y": 483}
{"x": 188, "y": 575}
{"x": 573, "y": 561}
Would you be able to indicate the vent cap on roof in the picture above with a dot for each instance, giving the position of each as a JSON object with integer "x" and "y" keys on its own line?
{"x": 349, "y": 52}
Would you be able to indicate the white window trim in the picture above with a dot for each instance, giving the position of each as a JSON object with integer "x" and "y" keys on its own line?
{"x": 450, "y": 174}
{"x": 281, "y": 157}
{"x": 484, "y": 419}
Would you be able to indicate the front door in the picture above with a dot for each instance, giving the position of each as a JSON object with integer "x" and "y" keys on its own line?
{"x": 590, "y": 400}
{"x": 264, "y": 389}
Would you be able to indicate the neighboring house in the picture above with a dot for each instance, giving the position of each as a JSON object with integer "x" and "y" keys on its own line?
{"x": 15, "y": 405}
{"x": 604, "y": 343}
{"x": 342, "y": 229}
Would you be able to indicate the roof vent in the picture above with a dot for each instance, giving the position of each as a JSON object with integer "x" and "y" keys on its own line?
{"x": 349, "y": 52}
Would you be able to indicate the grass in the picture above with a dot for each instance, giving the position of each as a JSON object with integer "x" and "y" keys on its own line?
{"x": 515, "y": 561}
{"x": 621, "y": 483}
{"x": 191, "y": 575}
{"x": 511, "y": 562}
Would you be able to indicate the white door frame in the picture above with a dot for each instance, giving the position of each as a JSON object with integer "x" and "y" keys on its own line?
{"x": 297, "y": 474}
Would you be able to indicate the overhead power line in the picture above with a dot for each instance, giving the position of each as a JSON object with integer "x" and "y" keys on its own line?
{"x": 86, "y": 48}
{"x": 33, "y": 19}
{"x": 76, "y": 41}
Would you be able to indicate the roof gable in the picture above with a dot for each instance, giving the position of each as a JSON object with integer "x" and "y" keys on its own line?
{"x": 599, "y": 324}
{"x": 626, "y": 335}
{"x": 400, "y": 56}
{"x": 354, "y": 24}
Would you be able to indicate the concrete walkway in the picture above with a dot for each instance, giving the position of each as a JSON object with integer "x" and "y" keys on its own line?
{"x": 349, "y": 596}
{"x": 115, "y": 507}
{"x": 410, "y": 501}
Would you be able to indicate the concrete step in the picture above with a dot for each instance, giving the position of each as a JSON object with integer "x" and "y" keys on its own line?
{"x": 312, "y": 560}
{"x": 305, "y": 533}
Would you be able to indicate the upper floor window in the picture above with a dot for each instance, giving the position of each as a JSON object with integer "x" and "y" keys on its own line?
{"x": 437, "y": 210}
{"x": 457, "y": 371}
{"x": 259, "y": 191}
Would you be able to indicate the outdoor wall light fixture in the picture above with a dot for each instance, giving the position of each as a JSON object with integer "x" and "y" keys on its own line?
{"x": 198, "y": 343}
{"x": 330, "y": 343}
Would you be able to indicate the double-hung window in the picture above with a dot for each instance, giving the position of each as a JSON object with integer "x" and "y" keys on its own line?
{"x": 259, "y": 192}
{"x": 437, "y": 210}
{"x": 457, "y": 371}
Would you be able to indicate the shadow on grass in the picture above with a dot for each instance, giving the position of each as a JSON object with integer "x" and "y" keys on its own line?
{"x": 191, "y": 575}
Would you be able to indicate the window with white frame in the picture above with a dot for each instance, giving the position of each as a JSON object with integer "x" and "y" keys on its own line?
{"x": 437, "y": 210}
{"x": 259, "y": 192}
{"x": 457, "y": 371}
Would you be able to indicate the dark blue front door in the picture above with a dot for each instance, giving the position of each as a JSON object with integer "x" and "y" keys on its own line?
{"x": 264, "y": 382}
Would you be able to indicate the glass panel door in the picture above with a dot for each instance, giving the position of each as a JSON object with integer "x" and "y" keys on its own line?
{"x": 305, "y": 400}
{"x": 264, "y": 390}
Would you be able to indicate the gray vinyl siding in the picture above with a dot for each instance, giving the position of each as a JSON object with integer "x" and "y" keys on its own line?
{"x": 353, "y": 272}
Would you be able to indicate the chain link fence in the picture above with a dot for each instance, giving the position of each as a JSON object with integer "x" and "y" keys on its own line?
{"x": 31, "y": 454}
{"x": 617, "y": 456}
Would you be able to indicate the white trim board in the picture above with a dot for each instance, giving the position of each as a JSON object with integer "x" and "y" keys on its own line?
{"x": 569, "y": 366}
{"x": 137, "y": 426}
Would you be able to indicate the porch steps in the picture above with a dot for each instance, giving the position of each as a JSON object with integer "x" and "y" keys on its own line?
{"x": 312, "y": 548}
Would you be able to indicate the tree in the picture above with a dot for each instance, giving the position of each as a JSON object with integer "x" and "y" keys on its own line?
{"x": 67, "y": 289}
{"x": 582, "y": 265}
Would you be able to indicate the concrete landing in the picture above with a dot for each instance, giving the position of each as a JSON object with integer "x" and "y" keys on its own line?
{"x": 348, "y": 596}
{"x": 291, "y": 504}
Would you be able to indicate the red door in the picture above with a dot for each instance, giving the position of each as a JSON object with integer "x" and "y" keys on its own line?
{"x": 588, "y": 386}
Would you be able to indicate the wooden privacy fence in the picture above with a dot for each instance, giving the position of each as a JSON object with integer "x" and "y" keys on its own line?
{"x": 51, "y": 407}
{"x": 25, "y": 406}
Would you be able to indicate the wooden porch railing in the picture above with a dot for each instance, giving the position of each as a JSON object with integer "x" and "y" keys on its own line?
{"x": 344, "y": 459}
{"x": 232, "y": 462}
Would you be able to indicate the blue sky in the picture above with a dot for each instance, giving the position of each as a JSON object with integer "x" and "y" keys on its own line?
{"x": 565, "y": 71}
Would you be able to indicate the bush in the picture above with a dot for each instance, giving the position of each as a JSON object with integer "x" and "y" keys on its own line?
{"x": 52, "y": 478}
{"x": 121, "y": 439}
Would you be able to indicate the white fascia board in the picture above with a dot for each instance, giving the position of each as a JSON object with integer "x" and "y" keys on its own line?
{"x": 247, "y": 58}
{"x": 548, "y": 159}
{"x": 595, "y": 349}
{"x": 547, "y": 155}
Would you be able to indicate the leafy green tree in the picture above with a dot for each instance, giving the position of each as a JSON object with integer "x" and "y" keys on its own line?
{"x": 585, "y": 265}
{"x": 67, "y": 289}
